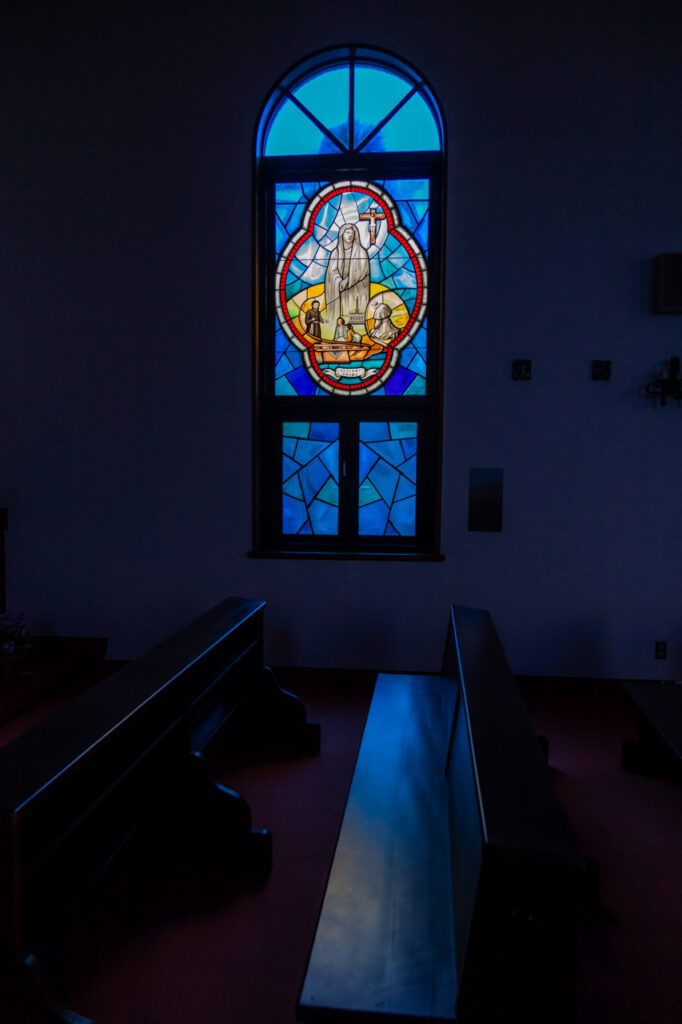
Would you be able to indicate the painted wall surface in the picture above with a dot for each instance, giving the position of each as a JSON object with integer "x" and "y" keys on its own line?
{"x": 126, "y": 327}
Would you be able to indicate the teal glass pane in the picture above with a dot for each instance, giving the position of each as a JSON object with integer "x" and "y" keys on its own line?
{"x": 376, "y": 94}
{"x": 327, "y": 96}
{"x": 310, "y": 478}
{"x": 387, "y": 494}
{"x": 292, "y": 132}
{"x": 413, "y": 127}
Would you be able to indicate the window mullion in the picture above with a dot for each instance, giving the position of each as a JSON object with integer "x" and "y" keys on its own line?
{"x": 348, "y": 479}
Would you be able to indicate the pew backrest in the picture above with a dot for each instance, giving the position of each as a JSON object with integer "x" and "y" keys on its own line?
{"x": 76, "y": 787}
{"x": 517, "y": 867}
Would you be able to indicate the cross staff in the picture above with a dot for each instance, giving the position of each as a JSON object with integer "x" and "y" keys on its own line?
{"x": 373, "y": 216}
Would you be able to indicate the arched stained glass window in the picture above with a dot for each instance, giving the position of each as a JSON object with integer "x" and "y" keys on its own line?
{"x": 349, "y": 160}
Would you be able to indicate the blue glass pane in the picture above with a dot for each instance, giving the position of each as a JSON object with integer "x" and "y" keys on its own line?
{"x": 293, "y": 488}
{"x": 409, "y": 468}
{"x": 289, "y": 467}
{"x": 327, "y": 97}
{"x": 283, "y": 387}
{"x": 330, "y": 456}
{"x": 292, "y": 132}
{"x": 310, "y": 473}
{"x": 313, "y": 478}
{"x": 399, "y": 381}
{"x": 324, "y": 518}
{"x": 389, "y": 451}
{"x": 385, "y": 479}
{"x": 294, "y": 514}
{"x": 376, "y": 94}
{"x": 392, "y": 477}
{"x": 301, "y": 382}
{"x": 372, "y": 519}
{"x": 374, "y": 431}
{"x": 412, "y": 128}
{"x": 409, "y": 447}
{"x": 408, "y": 188}
{"x": 398, "y": 429}
{"x": 403, "y": 516}
{"x": 324, "y": 431}
{"x": 367, "y": 460}
{"x": 289, "y": 192}
{"x": 406, "y": 489}
{"x": 308, "y": 450}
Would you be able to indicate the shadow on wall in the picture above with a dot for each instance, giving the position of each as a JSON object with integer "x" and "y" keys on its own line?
{"x": 333, "y": 639}
{"x": 579, "y": 646}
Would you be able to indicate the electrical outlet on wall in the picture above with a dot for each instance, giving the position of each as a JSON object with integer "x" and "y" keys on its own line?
{"x": 660, "y": 649}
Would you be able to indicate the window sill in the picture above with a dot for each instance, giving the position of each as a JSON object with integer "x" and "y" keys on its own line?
{"x": 352, "y": 556}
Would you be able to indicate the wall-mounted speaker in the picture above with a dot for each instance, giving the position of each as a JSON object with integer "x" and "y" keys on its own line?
{"x": 667, "y": 290}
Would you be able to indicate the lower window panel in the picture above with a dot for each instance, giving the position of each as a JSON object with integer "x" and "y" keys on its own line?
{"x": 384, "y": 499}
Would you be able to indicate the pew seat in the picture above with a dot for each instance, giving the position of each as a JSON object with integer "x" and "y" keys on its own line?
{"x": 456, "y": 877}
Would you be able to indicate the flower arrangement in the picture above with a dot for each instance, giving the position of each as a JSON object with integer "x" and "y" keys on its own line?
{"x": 14, "y": 636}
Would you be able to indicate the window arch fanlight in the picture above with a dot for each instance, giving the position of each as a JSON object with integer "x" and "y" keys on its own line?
{"x": 349, "y": 225}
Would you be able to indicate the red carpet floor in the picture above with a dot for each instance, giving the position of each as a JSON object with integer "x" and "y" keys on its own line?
{"x": 169, "y": 940}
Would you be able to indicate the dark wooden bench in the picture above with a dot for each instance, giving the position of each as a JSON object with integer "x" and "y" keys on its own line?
{"x": 456, "y": 878}
{"x": 657, "y": 708}
{"x": 76, "y": 788}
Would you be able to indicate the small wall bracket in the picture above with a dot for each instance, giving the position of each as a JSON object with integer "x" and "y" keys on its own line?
{"x": 522, "y": 369}
{"x": 601, "y": 369}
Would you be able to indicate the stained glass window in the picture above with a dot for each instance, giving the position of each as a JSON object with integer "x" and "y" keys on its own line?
{"x": 350, "y": 216}
{"x": 351, "y": 287}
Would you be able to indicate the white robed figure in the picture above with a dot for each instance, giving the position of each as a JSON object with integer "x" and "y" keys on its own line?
{"x": 346, "y": 283}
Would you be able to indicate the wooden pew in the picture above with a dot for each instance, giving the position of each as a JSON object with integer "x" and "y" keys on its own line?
{"x": 76, "y": 788}
{"x": 456, "y": 877}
